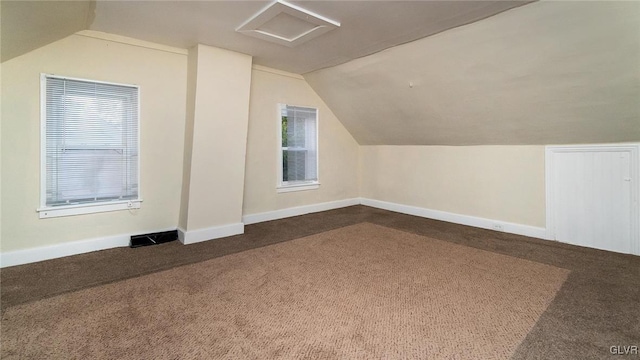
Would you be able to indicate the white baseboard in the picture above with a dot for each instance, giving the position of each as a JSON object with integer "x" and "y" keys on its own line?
{"x": 216, "y": 232}
{"x": 298, "y": 210}
{"x": 508, "y": 227}
{"x": 26, "y": 256}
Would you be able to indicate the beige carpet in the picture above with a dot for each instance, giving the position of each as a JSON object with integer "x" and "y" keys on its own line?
{"x": 362, "y": 291}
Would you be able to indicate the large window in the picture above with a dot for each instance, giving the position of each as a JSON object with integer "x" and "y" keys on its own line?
{"x": 90, "y": 159}
{"x": 299, "y": 148}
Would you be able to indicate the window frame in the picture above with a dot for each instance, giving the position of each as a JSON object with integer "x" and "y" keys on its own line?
{"x": 290, "y": 186}
{"x": 89, "y": 207}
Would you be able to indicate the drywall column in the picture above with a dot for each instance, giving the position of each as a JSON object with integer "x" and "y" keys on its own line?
{"x": 218, "y": 86}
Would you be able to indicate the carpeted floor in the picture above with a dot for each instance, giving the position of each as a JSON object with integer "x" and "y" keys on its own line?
{"x": 362, "y": 291}
{"x": 596, "y": 307}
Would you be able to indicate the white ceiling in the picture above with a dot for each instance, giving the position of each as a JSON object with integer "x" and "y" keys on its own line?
{"x": 551, "y": 72}
{"x": 28, "y": 25}
{"x": 366, "y": 26}
{"x": 545, "y": 73}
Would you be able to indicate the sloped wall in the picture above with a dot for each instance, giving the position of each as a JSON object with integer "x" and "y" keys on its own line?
{"x": 549, "y": 72}
{"x": 337, "y": 150}
{"x": 32, "y": 24}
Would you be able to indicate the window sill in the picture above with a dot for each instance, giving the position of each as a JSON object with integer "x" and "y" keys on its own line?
{"x": 298, "y": 187}
{"x": 92, "y": 208}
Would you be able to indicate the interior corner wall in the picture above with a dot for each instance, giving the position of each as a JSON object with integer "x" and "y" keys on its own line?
{"x": 192, "y": 74}
{"x": 337, "y": 149}
{"x": 504, "y": 183}
{"x": 219, "y": 90}
{"x": 161, "y": 76}
{"x": 0, "y": 156}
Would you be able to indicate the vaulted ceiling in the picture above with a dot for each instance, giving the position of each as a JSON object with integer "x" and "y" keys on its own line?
{"x": 545, "y": 73}
{"x": 28, "y": 25}
{"x": 366, "y": 26}
{"x": 409, "y": 72}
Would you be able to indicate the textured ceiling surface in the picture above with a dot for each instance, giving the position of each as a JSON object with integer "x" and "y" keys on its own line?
{"x": 545, "y": 73}
{"x": 28, "y": 25}
{"x": 366, "y": 26}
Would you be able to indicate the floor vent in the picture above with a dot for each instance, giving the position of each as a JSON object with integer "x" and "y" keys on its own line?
{"x": 153, "y": 239}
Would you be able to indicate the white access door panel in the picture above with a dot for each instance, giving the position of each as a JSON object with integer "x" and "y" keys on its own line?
{"x": 593, "y": 200}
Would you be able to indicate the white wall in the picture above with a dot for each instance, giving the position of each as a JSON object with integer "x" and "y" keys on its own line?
{"x": 549, "y": 72}
{"x": 1, "y": 88}
{"x": 161, "y": 74}
{"x": 338, "y": 151}
{"x": 192, "y": 75}
{"x": 503, "y": 183}
{"x": 181, "y": 185}
{"x": 33, "y": 24}
{"x": 219, "y": 94}
{"x": 496, "y": 182}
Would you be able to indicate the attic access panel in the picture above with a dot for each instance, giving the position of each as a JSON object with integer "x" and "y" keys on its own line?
{"x": 287, "y": 24}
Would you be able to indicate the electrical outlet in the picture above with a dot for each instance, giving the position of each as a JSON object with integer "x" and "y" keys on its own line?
{"x": 498, "y": 227}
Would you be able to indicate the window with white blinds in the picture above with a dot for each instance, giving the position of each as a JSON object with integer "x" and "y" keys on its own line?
{"x": 299, "y": 150}
{"x": 90, "y": 148}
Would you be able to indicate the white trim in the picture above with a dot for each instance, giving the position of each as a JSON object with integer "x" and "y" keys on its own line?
{"x": 279, "y": 168}
{"x": 548, "y": 165}
{"x": 251, "y": 27}
{"x": 43, "y": 139}
{"x": 90, "y": 208}
{"x": 26, "y": 256}
{"x": 508, "y": 227}
{"x": 299, "y": 210}
{"x": 634, "y": 152}
{"x": 298, "y": 187}
{"x": 281, "y": 186}
{"x": 257, "y": 67}
{"x": 44, "y": 76}
{"x": 216, "y": 232}
{"x": 130, "y": 41}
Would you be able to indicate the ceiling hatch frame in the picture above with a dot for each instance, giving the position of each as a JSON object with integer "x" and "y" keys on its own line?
{"x": 309, "y": 24}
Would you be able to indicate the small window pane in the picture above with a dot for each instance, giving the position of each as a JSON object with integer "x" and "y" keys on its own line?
{"x": 91, "y": 142}
{"x": 299, "y": 148}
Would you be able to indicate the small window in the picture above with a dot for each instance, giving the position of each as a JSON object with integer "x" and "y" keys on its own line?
{"x": 90, "y": 147}
{"x": 299, "y": 148}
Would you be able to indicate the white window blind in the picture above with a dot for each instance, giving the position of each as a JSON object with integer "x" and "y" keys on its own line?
{"x": 91, "y": 142}
{"x": 299, "y": 145}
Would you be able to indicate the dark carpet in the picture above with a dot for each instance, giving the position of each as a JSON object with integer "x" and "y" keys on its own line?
{"x": 597, "y": 307}
{"x": 362, "y": 291}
